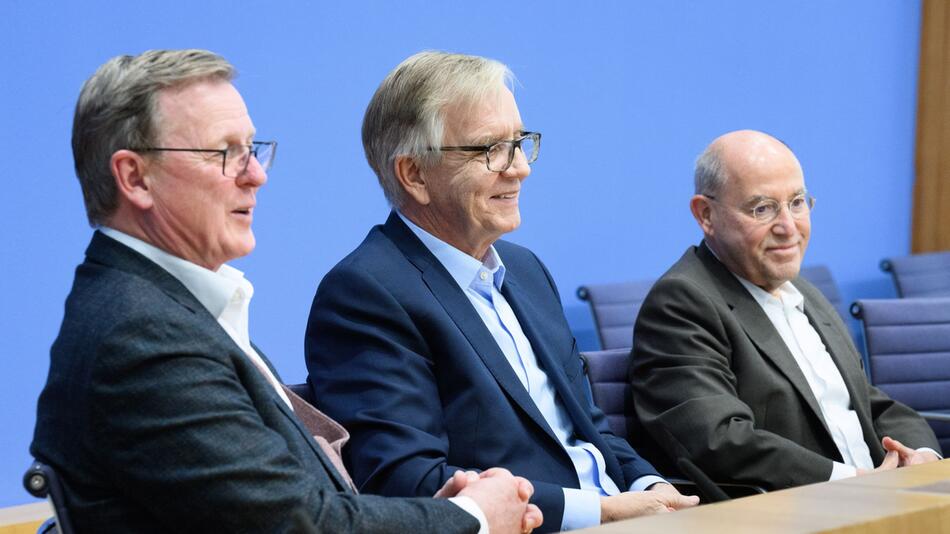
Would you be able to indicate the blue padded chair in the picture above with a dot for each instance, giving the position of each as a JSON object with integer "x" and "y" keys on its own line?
{"x": 920, "y": 275}
{"x": 611, "y": 391}
{"x": 303, "y": 391}
{"x": 41, "y": 481}
{"x": 615, "y": 308}
{"x": 820, "y": 277}
{"x": 908, "y": 346}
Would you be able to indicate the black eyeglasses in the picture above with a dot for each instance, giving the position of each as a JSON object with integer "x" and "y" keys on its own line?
{"x": 235, "y": 158}
{"x": 499, "y": 155}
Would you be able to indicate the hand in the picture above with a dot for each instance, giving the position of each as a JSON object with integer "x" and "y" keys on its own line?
{"x": 680, "y": 501}
{"x": 907, "y": 455}
{"x": 456, "y": 483}
{"x": 638, "y": 503}
{"x": 504, "y": 500}
{"x": 891, "y": 461}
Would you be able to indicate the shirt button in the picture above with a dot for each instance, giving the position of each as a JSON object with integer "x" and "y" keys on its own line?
{"x": 483, "y": 275}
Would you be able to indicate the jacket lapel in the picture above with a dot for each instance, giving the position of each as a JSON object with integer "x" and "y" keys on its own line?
{"x": 760, "y": 330}
{"x": 459, "y": 308}
{"x": 532, "y": 321}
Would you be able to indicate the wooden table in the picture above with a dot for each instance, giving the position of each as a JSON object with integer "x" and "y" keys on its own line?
{"x": 908, "y": 500}
{"x": 24, "y": 519}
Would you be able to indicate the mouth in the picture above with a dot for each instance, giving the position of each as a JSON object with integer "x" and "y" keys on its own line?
{"x": 506, "y": 196}
{"x": 243, "y": 212}
{"x": 783, "y": 249}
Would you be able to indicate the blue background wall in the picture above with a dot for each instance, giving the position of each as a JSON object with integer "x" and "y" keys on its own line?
{"x": 626, "y": 94}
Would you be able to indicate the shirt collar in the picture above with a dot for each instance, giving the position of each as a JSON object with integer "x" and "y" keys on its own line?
{"x": 213, "y": 289}
{"x": 789, "y": 295}
{"x": 464, "y": 269}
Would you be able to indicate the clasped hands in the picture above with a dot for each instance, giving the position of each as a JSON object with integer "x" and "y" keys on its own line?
{"x": 900, "y": 455}
{"x": 502, "y": 497}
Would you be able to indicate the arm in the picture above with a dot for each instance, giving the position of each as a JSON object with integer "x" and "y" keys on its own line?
{"x": 185, "y": 440}
{"x": 372, "y": 369}
{"x": 688, "y": 396}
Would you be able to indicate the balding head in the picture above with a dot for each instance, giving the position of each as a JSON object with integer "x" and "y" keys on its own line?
{"x": 752, "y": 206}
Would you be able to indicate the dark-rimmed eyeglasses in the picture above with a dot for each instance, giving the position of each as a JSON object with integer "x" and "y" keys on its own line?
{"x": 235, "y": 158}
{"x": 767, "y": 209}
{"x": 498, "y": 156}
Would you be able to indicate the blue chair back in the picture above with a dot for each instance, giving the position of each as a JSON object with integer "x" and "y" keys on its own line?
{"x": 920, "y": 275}
{"x": 908, "y": 347}
{"x": 615, "y": 308}
{"x": 303, "y": 391}
{"x": 40, "y": 480}
{"x": 607, "y": 372}
{"x": 820, "y": 277}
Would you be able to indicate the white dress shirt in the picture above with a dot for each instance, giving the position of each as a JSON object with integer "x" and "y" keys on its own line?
{"x": 481, "y": 281}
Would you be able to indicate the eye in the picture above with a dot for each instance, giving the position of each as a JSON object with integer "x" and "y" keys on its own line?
{"x": 765, "y": 210}
{"x": 797, "y": 204}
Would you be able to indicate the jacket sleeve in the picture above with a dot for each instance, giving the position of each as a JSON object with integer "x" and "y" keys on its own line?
{"x": 179, "y": 433}
{"x": 688, "y": 398}
{"x": 372, "y": 370}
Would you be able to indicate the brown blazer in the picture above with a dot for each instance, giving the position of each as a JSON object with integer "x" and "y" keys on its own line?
{"x": 713, "y": 381}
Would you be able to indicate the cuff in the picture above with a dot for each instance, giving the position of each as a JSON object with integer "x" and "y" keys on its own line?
{"x": 644, "y": 482}
{"x": 840, "y": 470}
{"x": 469, "y": 505}
{"x": 581, "y": 509}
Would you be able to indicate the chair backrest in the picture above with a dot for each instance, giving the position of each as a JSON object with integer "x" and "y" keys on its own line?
{"x": 908, "y": 347}
{"x": 615, "y": 308}
{"x": 303, "y": 391}
{"x": 607, "y": 372}
{"x": 820, "y": 277}
{"x": 41, "y": 481}
{"x": 920, "y": 275}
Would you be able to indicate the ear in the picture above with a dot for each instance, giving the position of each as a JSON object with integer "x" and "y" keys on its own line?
{"x": 131, "y": 180}
{"x": 411, "y": 178}
{"x": 701, "y": 208}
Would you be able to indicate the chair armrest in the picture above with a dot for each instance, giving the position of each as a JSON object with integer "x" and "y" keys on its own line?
{"x": 936, "y": 416}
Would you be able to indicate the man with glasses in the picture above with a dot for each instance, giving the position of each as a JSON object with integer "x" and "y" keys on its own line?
{"x": 440, "y": 346}
{"x": 159, "y": 414}
{"x": 745, "y": 368}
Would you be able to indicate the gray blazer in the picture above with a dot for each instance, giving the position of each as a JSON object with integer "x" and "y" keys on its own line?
{"x": 713, "y": 381}
{"x": 156, "y": 421}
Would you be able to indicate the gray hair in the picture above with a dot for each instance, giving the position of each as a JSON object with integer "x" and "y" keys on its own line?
{"x": 117, "y": 110}
{"x": 709, "y": 176}
{"x": 406, "y": 115}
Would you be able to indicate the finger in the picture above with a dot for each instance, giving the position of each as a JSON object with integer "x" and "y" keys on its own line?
{"x": 495, "y": 472}
{"x": 525, "y": 488}
{"x": 891, "y": 460}
{"x": 532, "y": 518}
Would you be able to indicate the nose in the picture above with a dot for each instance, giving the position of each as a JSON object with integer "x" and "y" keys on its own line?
{"x": 254, "y": 175}
{"x": 784, "y": 223}
{"x": 519, "y": 167}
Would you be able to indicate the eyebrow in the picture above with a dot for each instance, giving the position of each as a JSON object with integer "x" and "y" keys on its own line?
{"x": 490, "y": 139}
{"x": 760, "y": 198}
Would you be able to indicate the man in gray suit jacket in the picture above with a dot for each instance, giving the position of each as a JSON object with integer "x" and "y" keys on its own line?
{"x": 159, "y": 414}
{"x": 743, "y": 367}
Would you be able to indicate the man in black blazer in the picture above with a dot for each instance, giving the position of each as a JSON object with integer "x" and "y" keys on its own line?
{"x": 159, "y": 414}
{"x": 743, "y": 367}
{"x": 441, "y": 347}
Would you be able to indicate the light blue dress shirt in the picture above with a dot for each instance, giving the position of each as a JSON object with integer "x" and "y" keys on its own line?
{"x": 481, "y": 282}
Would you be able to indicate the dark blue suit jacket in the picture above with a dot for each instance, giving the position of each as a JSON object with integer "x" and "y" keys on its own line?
{"x": 397, "y": 353}
{"x": 156, "y": 421}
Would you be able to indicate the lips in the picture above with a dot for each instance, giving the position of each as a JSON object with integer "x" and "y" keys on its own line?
{"x": 507, "y": 196}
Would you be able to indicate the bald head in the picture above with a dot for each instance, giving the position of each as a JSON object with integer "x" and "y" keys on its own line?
{"x": 738, "y": 152}
{"x": 752, "y": 206}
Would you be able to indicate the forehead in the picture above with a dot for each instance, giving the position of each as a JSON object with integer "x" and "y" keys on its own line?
{"x": 770, "y": 171}
{"x": 206, "y": 111}
{"x": 494, "y": 115}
